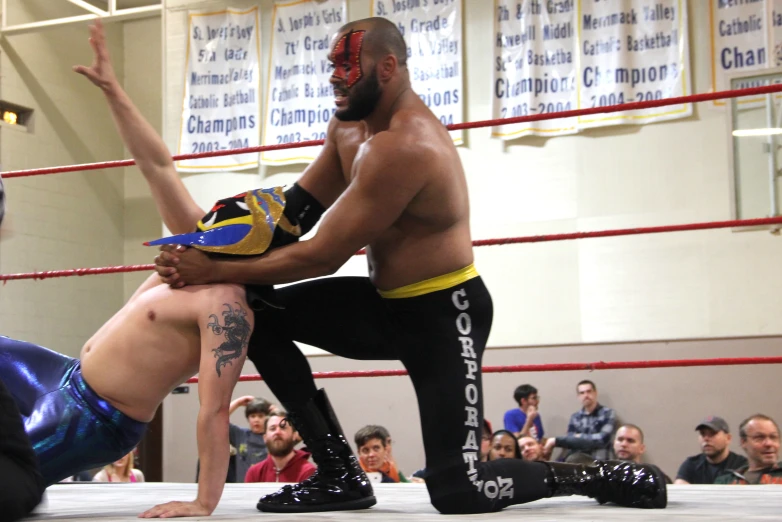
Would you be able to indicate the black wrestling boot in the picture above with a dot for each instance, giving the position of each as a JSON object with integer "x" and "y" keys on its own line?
{"x": 623, "y": 483}
{"x": 339, "y": 484}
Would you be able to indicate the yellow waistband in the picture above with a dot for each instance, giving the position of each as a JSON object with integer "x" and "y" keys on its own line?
{"x": 432, "y": 285}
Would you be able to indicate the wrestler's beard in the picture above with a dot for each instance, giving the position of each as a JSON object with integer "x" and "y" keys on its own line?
{"x": 362, "y": 99}
{"x": 280, "y": 447}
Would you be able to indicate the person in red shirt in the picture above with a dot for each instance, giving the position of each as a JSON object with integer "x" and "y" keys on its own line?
{"x": 283, "y": 464}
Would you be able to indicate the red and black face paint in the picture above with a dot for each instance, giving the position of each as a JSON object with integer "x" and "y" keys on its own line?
{"x": 347, "y": 58}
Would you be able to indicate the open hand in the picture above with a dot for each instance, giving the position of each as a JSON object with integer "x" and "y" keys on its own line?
{"x": 177, "y": 509}
{"x": 101, "y": 72}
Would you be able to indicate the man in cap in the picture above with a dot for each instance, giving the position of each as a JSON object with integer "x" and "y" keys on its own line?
{"x": 715, "y": 457}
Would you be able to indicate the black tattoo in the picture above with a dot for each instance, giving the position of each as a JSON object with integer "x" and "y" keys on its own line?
{"x": 236, "y": 331}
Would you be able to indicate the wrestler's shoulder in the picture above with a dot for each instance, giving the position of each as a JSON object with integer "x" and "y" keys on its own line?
{"x": 414, "y": 120}
{"x": 199, "y": 298}
{"x": 395, "y": 146}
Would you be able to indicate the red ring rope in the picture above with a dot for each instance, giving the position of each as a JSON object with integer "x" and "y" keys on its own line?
{"x": 693, "y": 98}
{"x": 709, "y": 225}
{"x": 556, "y": 367}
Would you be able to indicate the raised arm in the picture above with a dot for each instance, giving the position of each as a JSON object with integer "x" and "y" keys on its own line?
{"x": 225, "y": 326}
{"x": 176, "y": 206}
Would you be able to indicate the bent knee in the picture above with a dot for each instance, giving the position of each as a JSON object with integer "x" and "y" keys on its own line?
{"x": 460, "y": 503}
{"x": 454, "y": 494}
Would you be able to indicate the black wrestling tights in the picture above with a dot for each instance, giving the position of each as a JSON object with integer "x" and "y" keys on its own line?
{"x": 21, "y": 483}
{"x": 440, "y": 338}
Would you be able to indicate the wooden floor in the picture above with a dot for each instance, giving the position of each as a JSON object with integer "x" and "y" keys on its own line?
{"x": 404, "y": 502}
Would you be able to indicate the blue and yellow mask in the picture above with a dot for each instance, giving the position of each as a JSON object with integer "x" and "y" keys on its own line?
{"x": 242, "y": 225}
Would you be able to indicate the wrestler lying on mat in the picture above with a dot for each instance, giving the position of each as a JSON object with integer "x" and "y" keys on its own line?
{"x": 83, "y": 413}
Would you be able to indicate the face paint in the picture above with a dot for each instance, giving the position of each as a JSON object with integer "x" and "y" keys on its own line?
{"x": 347, "y": 58}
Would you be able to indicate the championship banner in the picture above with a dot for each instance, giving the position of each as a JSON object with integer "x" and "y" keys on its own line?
{"x": 631, "y": 52}
{"x": 299, "y": 97}
{"x": 221, "y": 110}
{"x": 740, "y": 43}
{"x": 433, "y": 34}
{"x": 535, "y": 66}
{"x": 776, "y": 33}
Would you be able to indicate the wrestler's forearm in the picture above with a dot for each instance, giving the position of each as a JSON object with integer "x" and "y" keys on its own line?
{"x": 141, "y": 139}
{"x": 213, "y": 454}
{"x": 284, "y": 265}
{"x": 177, "y": 208}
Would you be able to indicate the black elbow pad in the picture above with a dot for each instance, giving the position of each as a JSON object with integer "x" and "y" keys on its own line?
{"x": 301, "y": 208}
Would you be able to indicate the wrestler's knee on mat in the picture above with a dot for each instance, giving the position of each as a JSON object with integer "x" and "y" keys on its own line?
{"x": 456, "y": 497}
{"x": 21, "y": 490}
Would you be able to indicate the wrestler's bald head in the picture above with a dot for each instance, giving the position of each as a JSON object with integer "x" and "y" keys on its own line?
{"x": 381, "y": 39}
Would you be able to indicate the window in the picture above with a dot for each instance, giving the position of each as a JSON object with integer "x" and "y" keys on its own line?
{"x": 15, "y": 115}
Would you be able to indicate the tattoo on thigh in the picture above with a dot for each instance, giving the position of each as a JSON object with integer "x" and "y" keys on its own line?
{"x": 236, "y": 331}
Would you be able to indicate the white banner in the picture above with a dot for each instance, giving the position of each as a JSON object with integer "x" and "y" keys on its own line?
{"x": 631, "y": 52}
{"x": 776, "y": 33}
{"x": 433, "y": 33}
{"x": 535, "y": 65}
{"x": 299, "y": 97}
{"x": 739, "y": 44}
{"x": 220, "y": 110}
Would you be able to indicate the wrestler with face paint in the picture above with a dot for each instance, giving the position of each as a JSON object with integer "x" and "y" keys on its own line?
{"x": 392, "y": 182}
{"x": 355, "y": 94}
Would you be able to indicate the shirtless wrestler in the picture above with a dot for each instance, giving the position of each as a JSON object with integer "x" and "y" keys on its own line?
{"x": 392, "y": 179}
{"x": 83, "y": 413}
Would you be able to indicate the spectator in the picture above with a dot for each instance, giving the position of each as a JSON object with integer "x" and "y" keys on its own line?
{"x": 715, "y": 457}
{"x": 590, "y": 430}
{"x": 629, "y": 446}
{"x": 373, "y": 444}
{"x": 760, "y": 440}
{"x": 283, "y": 463}
{"x": 629, "y": 443}
{"x": 247, "y": 444}
{"x": 504, "y": 446}
{"x": 485, "y": 441}
{"x": 525, "y": 420}
{"x": 530, "y": 448}
{"x": 120, "y": 471}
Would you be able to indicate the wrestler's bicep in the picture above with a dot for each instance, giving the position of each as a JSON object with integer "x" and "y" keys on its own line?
{"x": 384, "y": 182}
{"x": 225, "y": 325}
{"x": 323, "y": 178}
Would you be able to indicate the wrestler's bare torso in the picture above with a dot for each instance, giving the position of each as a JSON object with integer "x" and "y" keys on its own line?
{"x": 432, "y": 235}
{"x": 151, "y": 345}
